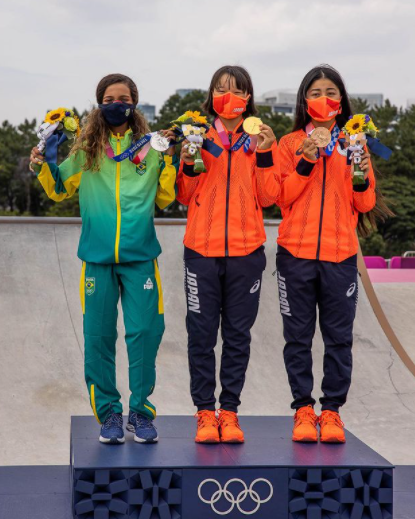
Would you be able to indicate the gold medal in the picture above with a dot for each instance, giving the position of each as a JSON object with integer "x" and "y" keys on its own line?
{"x": 251, "y": 125}
{"x": 321, "y": 136}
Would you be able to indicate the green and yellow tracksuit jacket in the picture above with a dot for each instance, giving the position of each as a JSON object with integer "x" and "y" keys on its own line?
{"x": 116, "y": 202}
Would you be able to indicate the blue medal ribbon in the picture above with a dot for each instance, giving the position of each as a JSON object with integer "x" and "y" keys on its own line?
{"x": 328, "y": 150}
{"x": 132, "y": 150}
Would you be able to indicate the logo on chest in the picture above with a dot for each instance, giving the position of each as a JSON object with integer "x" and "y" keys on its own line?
{"x": 141, "y": 168}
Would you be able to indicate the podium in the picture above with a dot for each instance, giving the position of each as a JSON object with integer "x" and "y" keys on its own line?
{"x": 267, "y": 477}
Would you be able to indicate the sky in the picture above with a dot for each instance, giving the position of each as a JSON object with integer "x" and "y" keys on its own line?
{"x": 53, "y": 53}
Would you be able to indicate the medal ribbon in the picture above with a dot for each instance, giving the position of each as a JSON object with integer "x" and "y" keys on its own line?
{"x": 129, "y": 153}
{"x": 224, "y": 137}
{"x": 328, "y": 150}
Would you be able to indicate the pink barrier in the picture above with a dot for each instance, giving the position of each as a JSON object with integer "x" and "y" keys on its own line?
{"x": 375, "y": 262}
{"x": 398, "y": 262}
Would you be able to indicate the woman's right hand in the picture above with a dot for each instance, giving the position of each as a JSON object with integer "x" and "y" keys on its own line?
{"x": 310, "y": 149}
{"x": 184, "y": 155}
{"x": 36, "y": 156}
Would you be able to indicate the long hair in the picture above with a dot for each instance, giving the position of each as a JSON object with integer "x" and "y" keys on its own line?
{"x": 95, "y": 131}
{"x": 243, "y": 81}
{"x": 366, "y": 221}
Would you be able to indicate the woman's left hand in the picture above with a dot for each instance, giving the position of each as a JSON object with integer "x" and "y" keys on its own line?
{"x": 169, "y": 134}
{"x": 266, "y": 137}
{"x": 365, "y": 164}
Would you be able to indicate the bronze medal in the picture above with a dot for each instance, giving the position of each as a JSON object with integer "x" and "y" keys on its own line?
{"x": 321, "y": 136}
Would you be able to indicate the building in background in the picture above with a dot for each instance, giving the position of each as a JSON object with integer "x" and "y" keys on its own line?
{"x": 148, "y": 110}
{"x": 283, "y": 101}
{"x": 410, "y": 102}
{"x": 280, "y": 101}
{"x": 371, "y": 99}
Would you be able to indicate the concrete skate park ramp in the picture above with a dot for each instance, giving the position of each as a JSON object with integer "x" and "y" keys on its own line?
{"x": 41, "y": 351}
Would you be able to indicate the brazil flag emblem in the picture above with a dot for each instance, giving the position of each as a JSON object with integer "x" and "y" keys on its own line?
{"x": 90, "y": 286}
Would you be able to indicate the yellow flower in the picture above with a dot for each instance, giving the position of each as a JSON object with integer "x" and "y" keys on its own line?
{"x": 197, "y": 118}
{"x": 55, "y": 116}
{"x": 355, "y": 124}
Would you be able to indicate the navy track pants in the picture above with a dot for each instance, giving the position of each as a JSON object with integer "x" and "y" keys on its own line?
{"x": 221, "y": 292}
{"x": 305, "y": 285}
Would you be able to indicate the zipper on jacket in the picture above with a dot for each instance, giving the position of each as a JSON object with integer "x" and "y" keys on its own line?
{"x": 323, "y": 193}
{"x": 228, "y": 188}
{"x": 118, "y": 204}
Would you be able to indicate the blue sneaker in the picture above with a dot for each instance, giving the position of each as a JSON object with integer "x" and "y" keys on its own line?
{"x": 142, "y": 427}
{"x": 112, "y": 429}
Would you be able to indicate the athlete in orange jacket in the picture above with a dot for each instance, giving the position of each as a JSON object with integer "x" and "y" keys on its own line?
{"x": 224, "y": 254}
{"x": 317, "y": 251}
{"x": 225, "y": 204}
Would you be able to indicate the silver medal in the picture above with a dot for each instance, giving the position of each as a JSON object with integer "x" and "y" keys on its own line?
{"x": 159, "y": 143}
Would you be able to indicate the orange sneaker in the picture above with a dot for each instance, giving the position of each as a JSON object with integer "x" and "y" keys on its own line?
{"x": 207, "y": 427}
{"x": 305, "y": 425}
{"x": 230, "y": 431}
{"x": 331, "y": 428}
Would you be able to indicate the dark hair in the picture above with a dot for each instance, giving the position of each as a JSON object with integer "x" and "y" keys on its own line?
{"x": 112, "y": 79}
{"x": 322, "y": 71}
{"x": 243, "y": 82}
{"x": 95, "y": 130}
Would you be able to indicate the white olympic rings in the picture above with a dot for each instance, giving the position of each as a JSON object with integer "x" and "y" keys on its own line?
{"x": 227, "y": 494}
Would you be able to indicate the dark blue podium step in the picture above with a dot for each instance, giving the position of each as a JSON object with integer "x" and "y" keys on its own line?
{"x": 268, "y": 477}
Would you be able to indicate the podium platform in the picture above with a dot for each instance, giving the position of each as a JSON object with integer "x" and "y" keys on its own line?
{"x": 267, "y": 477}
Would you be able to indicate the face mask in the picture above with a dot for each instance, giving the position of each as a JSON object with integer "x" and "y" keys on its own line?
{"x": 323, "y": 108}
{"x": 116, "y": 113}
{"x": 229, "y": 105}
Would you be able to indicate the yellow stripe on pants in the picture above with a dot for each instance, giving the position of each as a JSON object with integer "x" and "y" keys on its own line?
{"x": 82, "y": 287}
{"x": 160, "y": 290}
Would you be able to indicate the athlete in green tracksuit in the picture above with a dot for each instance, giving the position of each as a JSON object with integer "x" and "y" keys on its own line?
{"x": 119, "y": 249}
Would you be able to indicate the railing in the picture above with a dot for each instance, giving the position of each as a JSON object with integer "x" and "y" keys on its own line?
{"x": 77, "y": 221}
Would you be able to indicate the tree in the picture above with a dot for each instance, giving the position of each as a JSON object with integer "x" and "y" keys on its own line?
{"x": 175, "y": 106}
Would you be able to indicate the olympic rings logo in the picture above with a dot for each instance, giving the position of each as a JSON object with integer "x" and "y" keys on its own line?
{"x": 243, "y": 494}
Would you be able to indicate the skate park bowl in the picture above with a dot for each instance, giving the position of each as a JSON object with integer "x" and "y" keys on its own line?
{"x": 41, "y": 349}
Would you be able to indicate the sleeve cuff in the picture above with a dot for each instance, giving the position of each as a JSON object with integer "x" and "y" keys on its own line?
{"x": 189, "y": 170}
{"x": 264, "y": 158}
{"x": 361, "y": 188}
{"x": 305, "y": 167}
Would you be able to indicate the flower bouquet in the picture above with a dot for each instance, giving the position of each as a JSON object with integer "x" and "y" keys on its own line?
{"x": 192, "y": 126}
{"x": 357, "y": 130}
{"x": 58, "y": 122}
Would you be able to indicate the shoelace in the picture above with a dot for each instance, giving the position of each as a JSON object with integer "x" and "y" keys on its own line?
{"x": 141, "y": 421}
{"x": 206, "y": 418}
{"x": 113, "y": 419}
{"x": 228, "y": 418}
{"x": 331, "y": 417}
{"x": 305, "y": 415}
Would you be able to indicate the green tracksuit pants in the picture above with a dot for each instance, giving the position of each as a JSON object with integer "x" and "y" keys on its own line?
{"x": 138, "y": 284}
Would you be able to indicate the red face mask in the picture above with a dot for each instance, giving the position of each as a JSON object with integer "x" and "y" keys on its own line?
{"x": 323, "y": 108}
{"x": 229, "y": 105}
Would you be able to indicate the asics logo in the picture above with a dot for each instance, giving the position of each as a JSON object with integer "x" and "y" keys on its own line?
{"x": 245, "y": 494}
{"x": 351, "y": 290}
{"x": 239, "y": 109}
{"x": 255, "y": 287}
